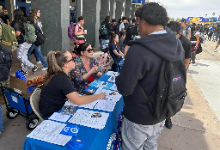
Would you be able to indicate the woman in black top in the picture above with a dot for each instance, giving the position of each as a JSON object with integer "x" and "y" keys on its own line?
{"x": 5, "y": 17}
{"x": 57, "y": 86}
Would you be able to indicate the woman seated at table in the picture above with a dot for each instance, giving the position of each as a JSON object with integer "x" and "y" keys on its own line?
{"x": 87, "y": 68}
{"x": 114, "y": 50}
{"x": 57, "y": 86}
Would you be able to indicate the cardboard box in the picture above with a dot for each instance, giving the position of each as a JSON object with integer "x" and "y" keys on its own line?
{"x": 19, "y": 86}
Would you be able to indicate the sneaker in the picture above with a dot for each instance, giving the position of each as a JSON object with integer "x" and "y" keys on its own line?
{"x": 38, "y": 62}
{"x": 24, "y": 72}
{"x": 35, "y": 69}
{"x": 168, "y": 123}
{"x": 45, "y": 68}
{"x": 214, "y": 50}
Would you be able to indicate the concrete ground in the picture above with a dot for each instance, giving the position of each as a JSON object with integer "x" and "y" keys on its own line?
{"x": 195, "y": 127}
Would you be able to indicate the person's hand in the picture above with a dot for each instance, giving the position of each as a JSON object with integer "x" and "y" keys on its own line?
{"x": 94, "y": 69}
{"x": 101, "y": 96}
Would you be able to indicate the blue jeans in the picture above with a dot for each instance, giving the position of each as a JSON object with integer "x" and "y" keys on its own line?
{"x": 105, "y": 44}
{"x": 215, "y": 36}
{"x": 37, "y": 54}
{"x": 1, "y": 121}
{"x": 100, "y": 44}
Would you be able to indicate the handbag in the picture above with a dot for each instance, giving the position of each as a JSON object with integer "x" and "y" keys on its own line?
{"x": 78, "y": 42}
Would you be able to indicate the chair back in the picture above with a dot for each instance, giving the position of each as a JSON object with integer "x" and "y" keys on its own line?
{"x": 34, "y": 100}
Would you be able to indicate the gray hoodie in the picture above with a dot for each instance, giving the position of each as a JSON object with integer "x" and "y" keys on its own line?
{"x": 142, "y": 65}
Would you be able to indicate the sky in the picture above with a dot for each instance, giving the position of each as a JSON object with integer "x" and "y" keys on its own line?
{"x": 191, "y": 8}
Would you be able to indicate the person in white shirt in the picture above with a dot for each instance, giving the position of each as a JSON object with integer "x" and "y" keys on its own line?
{"x": 122, "y": 26}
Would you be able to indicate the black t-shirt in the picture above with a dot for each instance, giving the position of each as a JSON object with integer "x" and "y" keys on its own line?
{"x": 18, "y": 27}
{"x": 187, "y": 46}
{"x": 130, "y": 34}
{"x": 53, "y": 96}
{"x": 113, "y": 28}
{"x": 126, "y": 26}
{"x": 5, "y": 18}
{"x": 108, "y": 27}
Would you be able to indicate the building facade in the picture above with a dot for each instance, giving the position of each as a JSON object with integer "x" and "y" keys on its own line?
{"x": 56, "y": 16}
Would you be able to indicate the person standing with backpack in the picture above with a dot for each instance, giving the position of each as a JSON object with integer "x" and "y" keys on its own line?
{"x": 79, "y": 31}
{"x": 35, "y": 12}
{"x": 142, "y": 78}
{"x": 25, "y": 33}
{"x": 187, "y": 46}
{"x": 105, "y": 32}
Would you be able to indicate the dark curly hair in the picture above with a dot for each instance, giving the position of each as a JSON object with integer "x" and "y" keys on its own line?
{"x": 174, "y": 26}
{"x": 154, "y": 14}
{"x": 19, "y": 17}
{"x": 81, "y": 48}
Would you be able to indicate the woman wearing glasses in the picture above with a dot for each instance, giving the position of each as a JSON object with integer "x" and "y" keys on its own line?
{"x": 57, "y": 86}
{"x": 87, "y": 68}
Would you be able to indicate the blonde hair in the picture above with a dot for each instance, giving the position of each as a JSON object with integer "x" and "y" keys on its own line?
{"x": 55, "y": 61}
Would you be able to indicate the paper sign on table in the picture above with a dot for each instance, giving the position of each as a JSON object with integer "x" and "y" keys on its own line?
{"x": 49, "y": 131}
{"x": 88, "y": 118}
{"x": 105, "y": 105}
{"x": 59, "y": 117}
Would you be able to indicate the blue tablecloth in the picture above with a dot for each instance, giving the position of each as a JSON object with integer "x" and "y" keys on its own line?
{"x": 94, "y": 139}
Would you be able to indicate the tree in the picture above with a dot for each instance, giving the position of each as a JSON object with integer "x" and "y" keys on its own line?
{"x": 178, "y": 19}
{"x": 172, "y": 19}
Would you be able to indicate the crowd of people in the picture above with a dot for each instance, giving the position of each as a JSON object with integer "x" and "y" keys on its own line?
{"x": 142, "y": 44}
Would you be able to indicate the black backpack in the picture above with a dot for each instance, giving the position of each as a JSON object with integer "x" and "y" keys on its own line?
{"x": 5, "y": 62}
{"x": 169, "y": 95}
{"x": 40, "y": 37}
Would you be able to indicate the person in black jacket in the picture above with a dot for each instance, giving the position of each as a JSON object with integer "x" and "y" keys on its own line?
{"x": 140, "y": 129}
{"x": 105, "y": 38}
{"x": 187, "y": 46}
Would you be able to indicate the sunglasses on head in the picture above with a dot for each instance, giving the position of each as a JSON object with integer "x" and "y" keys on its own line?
{"x": 90, "y": 50}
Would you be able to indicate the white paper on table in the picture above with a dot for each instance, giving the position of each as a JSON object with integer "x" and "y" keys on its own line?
{"x": 101, "y": 90}
{"x": 59, "y": 117}
{"x": 49, "y": 131}
{"x": 114, "y": 88}
{"x": 110, "y": 94}
{"x": 101, "y": 84}
{"x": 106, "y": 105}
{"x": 114, "y": 97}
{"x": 89, "y": 106}
{"x": 84, "y": 118}
{"x": 112, "y": 79}
{"x": 112, "y": 73}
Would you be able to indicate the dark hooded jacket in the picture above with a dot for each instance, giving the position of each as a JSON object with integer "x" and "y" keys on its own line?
{"x": 142, "y": 65}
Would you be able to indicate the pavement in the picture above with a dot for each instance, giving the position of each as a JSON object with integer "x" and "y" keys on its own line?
{"x": 195, "y": 127}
